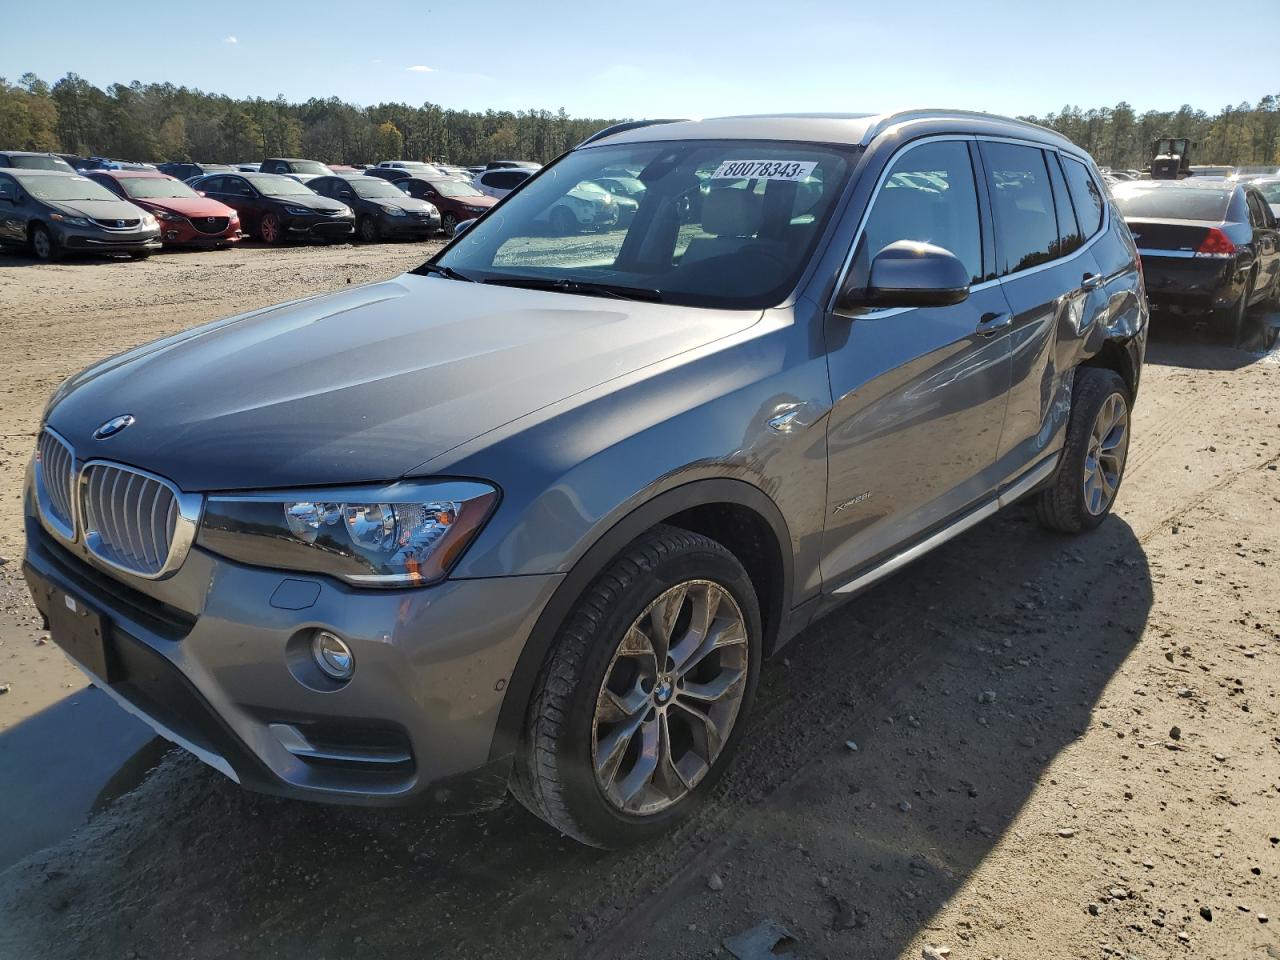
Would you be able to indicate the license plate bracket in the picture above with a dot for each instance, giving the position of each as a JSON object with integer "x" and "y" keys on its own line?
{"x": 80, "y": 630}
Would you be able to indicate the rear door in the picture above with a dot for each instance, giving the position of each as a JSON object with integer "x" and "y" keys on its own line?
{"x": 1054, "y": 291}
{"x": 1265, "y": 241}
{"x": 919, "y": 394}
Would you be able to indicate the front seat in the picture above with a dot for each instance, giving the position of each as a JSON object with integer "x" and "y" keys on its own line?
{"x": 733, "y": 216}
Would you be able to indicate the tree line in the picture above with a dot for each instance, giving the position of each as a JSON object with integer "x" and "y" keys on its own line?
{"x": 1120, "y": 137}
{"x": 160, "y": 121}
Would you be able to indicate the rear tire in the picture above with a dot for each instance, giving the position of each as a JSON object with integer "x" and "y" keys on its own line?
{"x": 1233, "y": 321}
{"x": 1085, "y": 485}
{"x": 449, "y": 223}
{"x": 612, "y": 680}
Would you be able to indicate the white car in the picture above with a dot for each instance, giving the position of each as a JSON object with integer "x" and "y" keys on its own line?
{"x": 416, "y": 167}
{"x": 1270, "y": 190}
{"x": 586, "y": 205}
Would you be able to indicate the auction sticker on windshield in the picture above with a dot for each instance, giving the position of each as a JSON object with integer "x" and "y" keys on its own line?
{"x": 764, "y": 169}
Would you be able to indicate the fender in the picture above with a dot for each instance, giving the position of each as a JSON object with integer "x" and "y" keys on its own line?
{"x": 607, "y": 545}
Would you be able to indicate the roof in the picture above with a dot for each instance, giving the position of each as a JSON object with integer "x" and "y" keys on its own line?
{"x": 28, "y": 172}
{"x": 30, "y": 153}
{"x": 131, "y": 174}
{"x": 854, "y": 129}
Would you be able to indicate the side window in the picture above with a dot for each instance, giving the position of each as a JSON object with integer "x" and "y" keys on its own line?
{"x": 1069, "y": 238}
{"x": 1256, "y": 214}
{"x": 272, "y": 166}
{"x": 929, "y": 195}
{"x": 1022, "y": 204}
{"x": 8, "y": 190}
{"x": 324, "y": 186}
{"x": 1086, "y": 195}
{"x": 213, "y": 185}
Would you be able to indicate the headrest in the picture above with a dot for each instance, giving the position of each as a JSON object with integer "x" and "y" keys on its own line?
{"x": 730, "y": 212}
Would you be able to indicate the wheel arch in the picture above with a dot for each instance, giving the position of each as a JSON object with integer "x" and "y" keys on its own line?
{"x": 737, "y": 514}
{"x": 1115, "y": 356}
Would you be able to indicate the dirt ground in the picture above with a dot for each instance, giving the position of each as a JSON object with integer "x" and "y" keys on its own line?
{"x": 1061, "y": 748}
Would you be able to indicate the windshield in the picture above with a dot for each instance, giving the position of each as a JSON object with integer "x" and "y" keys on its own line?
{"x": 310, "y": 166}
{"x": 1171, "y": 203}
{"x": 65, "y": 188}
{"x": 1270, "y": 190}
{"x": 156, "y": 188}
{"x": 720, "y": 223}
{"x": 271, "y": 185}
{"x": 40, "y": 163}
{"x": 372, "y": 187}
{"x": 455, "y": 188}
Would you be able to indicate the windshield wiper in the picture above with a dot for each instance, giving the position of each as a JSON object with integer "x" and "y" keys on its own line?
{"x": 446, "y": 272}
{"x": 585, "y": 287}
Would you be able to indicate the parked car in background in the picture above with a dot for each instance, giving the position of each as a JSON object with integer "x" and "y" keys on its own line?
{"x": 276, "y": 208}
{"x": 293, "y": 165}
{"x": 1269, "y": 187}
{"x": 531, "y": 516}
{"x": 383, "y": 211}
{"x": 303, "y": 178}
{"x": 1210, "y": 170}
{"x": 1206, "y": 246}
{"x": 457, "y": 201}
{"x": 512, "y": 165}
{"x": 185, "y": 170}
{"x": 500, "y": 181}
{"x": 1253, "y": 173}
{"x": 52, "y": 213}
{"x": 186, "y": 218}
{"x": 396, "y": 170}
{"x": 458, "y": 173}
{"x": 247, "y": 167}
{"x": 24, "y": 160}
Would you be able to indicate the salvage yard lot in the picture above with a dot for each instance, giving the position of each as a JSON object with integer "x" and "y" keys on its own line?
{"x": 1064, "y": 748}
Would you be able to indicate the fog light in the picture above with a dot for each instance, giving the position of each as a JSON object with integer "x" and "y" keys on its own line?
{"x": 333, "y": 656}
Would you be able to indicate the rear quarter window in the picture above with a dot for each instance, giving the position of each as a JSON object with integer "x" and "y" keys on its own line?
{"x": 1086, "y": 196}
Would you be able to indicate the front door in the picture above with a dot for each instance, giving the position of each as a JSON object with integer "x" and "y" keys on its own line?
{"x": 920, "y": 393}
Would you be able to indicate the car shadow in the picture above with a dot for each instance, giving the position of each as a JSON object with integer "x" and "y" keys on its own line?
{"x": 1185, "y": 341}
{"x": 960, "y": 680}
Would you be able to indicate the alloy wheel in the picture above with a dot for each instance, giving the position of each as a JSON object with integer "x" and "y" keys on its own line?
{"x": 1105, "y": 456}
{"x": 670, "y": 698}
{"x": 41, "y": 243}
{"x": 270, "y": 229}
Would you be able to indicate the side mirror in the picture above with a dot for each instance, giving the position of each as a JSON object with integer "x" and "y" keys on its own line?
{"x": 463, "y": 225}
{"x": 346, "y": 195}
{"x": 908, "y": 273}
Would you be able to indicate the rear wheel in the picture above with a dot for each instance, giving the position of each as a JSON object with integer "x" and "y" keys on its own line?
{"x": 1088, "y": 477}
{"x": 269, "y": 229}
{"x": 641, "y": 701}
{"x": 42, "y": 243}
{"x": 1233, "y": 321}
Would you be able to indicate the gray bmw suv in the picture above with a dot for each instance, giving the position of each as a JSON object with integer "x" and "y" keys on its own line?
{"x": 530, "y": 517}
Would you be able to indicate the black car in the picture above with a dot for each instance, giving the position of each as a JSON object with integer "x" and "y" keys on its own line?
{"x": 294, "y": 165}
{"x": 276, "y": 208}
{"x": 25, "y": 160}
{"x": 1206, "y": 245}
{"x": 185, "y": 170}
{"x": 382, "y": 210}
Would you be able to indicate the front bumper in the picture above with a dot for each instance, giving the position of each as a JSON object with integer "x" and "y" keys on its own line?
{"x": 320, "y": 228}
{"x": 408, "y": 226}
{"x": 109, "y": 241}
{"x": 214, "y": 658}
{"x": 181, "y": 233}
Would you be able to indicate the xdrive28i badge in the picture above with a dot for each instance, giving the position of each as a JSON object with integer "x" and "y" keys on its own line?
{"x": 112, "y": 427}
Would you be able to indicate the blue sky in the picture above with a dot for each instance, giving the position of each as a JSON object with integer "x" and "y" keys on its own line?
{"x": 661, "y": 58}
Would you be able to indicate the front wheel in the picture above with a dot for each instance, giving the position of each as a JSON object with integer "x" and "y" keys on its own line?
{"x": 1088, "y": 477}
{"x": 641, "y": 701}
{"x": 269, "y": 229}
{"x": 449, "y": 224}
{"x": 42, "y": 243}
{"x": 370, "y": 231}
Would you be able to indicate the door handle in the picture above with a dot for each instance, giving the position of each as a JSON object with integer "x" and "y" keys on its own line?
{"x": 1091, "y": 281}
{"x": 992, "y": 323}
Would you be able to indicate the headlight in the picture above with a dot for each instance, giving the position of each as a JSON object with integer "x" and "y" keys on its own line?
{"x": 69, "y": 221}
{"x": 299, "y": 211}
{"x": 404, "y": 534}
{"x": 149, "y": 221}
{"x": 167, "y": 216}
{"x": 393, "y": 211}
{"x": 476, "y": 209}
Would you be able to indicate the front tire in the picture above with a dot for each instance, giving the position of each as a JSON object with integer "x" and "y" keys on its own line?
{"x": 1088, "y": 477}
{"x": 269, "y": 229}
{"x": 449, "y": 224}
{"x": 370, "y": 231}
{"x": 43, "y": 244}
{"x": 642, "y": 700}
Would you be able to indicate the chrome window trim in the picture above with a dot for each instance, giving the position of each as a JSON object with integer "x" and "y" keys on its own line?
{"x": 962, "y": 138}
{"x": 42, "y": 494}
{"x": 186, "y": 526}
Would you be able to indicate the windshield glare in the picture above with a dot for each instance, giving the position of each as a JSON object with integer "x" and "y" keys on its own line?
{"x": 372, "y": 187}
{"x": 309, "y": 166}
{"x": 1270, "y": 191}
{"x": 41, "y": 163}
{"x": 455, "y": 188}
{"x": 719, "y": 223}
{"x": 1172, "y": 203}
{"x": 270, "y": 185}
{"x": 65, "y": 188}
{"x": 156, "y": 188}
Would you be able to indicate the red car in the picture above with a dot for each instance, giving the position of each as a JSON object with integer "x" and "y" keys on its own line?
{"x": 186, "y": 217}
{"x": 457, "y": 201}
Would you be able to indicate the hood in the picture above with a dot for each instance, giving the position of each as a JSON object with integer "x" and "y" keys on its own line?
{"x": 484, "y": 200}
{"x": 189, "y": 206}
{"x": 403, "y": 202}
{"x": 98, "y": 209}
{"x": 312, "y": 201}
{"x": 364, "y": 384}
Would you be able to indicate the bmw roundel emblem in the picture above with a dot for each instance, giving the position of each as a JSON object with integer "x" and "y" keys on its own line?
{"x": 112, "y": 427}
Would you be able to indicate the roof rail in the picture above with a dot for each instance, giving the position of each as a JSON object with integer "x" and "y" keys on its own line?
{"x": 625, "y": 126}
{"x": 889, "y": 119}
